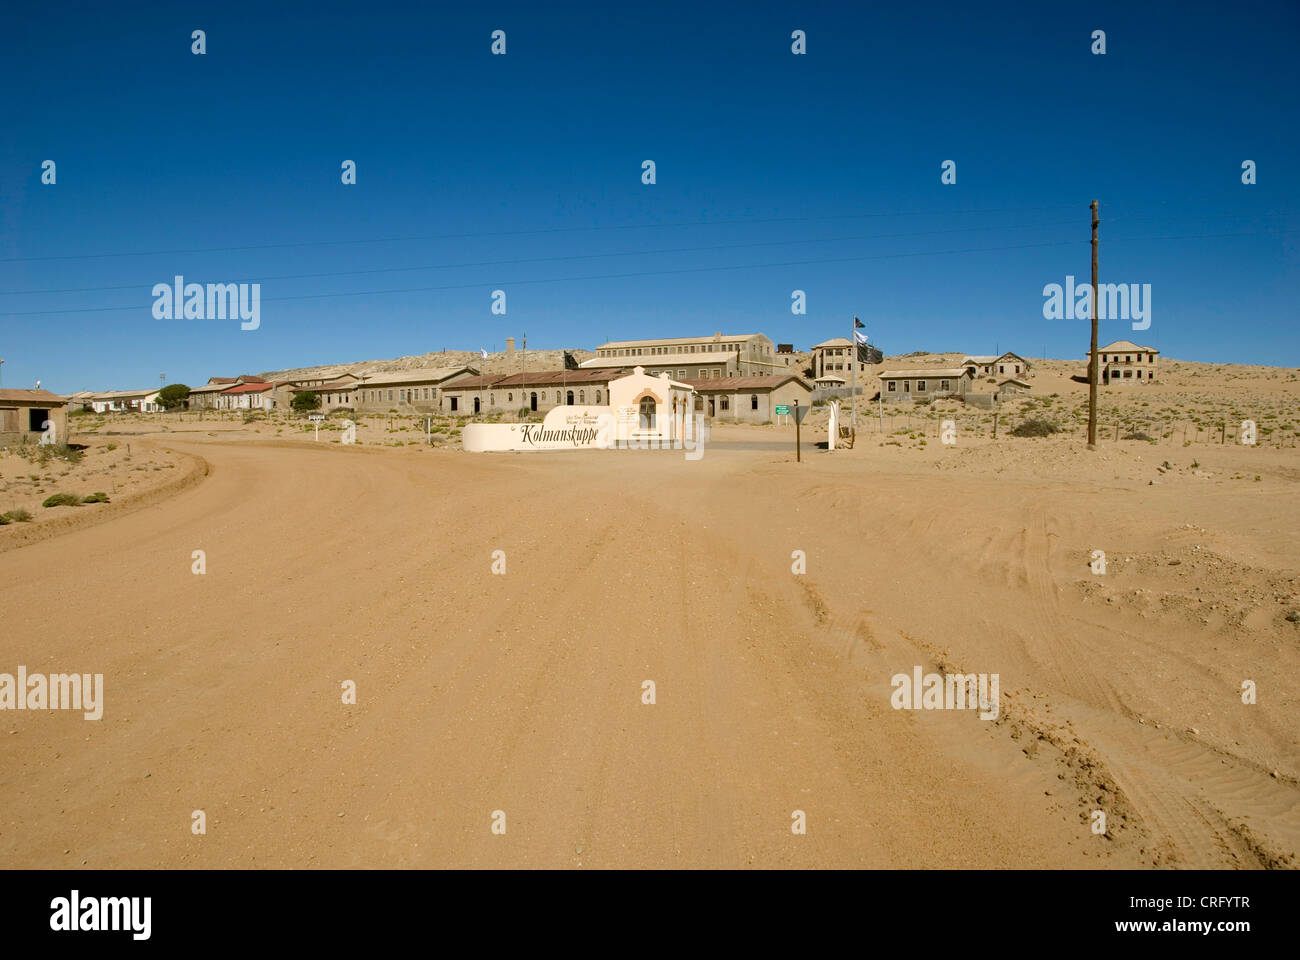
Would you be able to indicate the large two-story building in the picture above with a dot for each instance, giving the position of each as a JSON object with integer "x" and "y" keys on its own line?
{"x": 693, "y": 358}
{"x": 1123, "y": 361}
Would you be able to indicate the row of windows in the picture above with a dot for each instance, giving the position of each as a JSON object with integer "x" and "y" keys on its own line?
{"x": 1127, "y": 374}
{"x": 566, "y": 398}
{"x": 1128, "y": 358}
{"x": 684, "y": 348}
{"x": 891, "y": 386}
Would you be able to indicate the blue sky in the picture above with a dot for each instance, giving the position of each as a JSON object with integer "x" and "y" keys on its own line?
{"x": 775, "y": 172}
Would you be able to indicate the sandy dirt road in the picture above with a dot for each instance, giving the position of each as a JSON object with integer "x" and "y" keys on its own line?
{"x": 522, "y": 692}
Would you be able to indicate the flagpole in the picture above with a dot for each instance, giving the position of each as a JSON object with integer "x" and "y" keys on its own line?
{"x": 853, "y": 379}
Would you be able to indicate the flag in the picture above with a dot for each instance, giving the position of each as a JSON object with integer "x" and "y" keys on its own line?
{"x": 484, "y": 352}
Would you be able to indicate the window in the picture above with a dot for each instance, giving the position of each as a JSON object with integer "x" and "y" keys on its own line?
{"x": 582, "y": 396}
{"x": 753, "y": 401}
{"x": 945, "y": 385}
{"x": 1128, "y": 374}
{"x": 717, "y": 373}
{"x": 681, "y": 374}
{"x": 557, "y": 397}
{"x": 704, "y": 374}
{"x": 390, "y": 395}
{"x": 724, "y": 403}
{"x": 1002, "y": 368}
{"x": 455, "y": 404}
{"x": 920, "y": 386}
{"x": 598, "y": 396}
{"x": 569, "y": 398}
{"x": 891, "y": 386}
{"x": 492, "y": 399}
{"x": 907, "y": 386}
{"x": 647, "y": 413}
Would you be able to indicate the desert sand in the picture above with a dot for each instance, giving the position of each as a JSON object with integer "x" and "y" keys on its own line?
{"x": 480, "y": 692}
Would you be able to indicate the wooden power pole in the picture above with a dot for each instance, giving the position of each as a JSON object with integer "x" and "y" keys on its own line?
{"x": 1092, "y": 356}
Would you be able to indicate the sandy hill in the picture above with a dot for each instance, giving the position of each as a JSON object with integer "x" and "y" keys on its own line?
{"x": 495, "y": 363}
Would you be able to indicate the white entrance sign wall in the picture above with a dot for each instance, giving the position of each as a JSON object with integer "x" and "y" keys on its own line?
{"x": 643, "y": 411}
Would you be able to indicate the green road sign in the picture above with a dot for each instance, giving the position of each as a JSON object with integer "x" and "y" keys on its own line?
{"x": 782, "y": 410}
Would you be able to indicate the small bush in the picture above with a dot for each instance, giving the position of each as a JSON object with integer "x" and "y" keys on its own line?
{"x": 61, "y": 500}
{"x": 15, "y": 516}
{"x": 98, "y": 497}
{"x": 1137, "y": 435}
{"x": 1034, "y": 428}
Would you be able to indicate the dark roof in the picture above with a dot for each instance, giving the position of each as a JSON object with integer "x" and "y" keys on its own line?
{"x": 475, "y": 383}
{"x": 744, "y": 383}
{"x": 542, "y": 378}
{"x": 333, "y": 386}
{"x": 31, "y": 396}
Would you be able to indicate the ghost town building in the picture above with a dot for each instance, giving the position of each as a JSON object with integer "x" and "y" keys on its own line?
{"x": 748, "y": 399}
{"x": 1123, "y": 361}
{"x": 927, "y": 384}
{"x": 407, "y": 391}
{"x": 1006, "y": 365}
{"x": 25, "y": 413}
{"x": 695, "y": 358}
{"x": 535, "y": 392}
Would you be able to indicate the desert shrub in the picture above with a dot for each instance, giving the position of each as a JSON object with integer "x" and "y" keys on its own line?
{"x": 61, "y": 500}
{"x": 1034, "y": 428}
{"x": 98, "y": 497}
{"x": 15, "y": 516}
{"x": 1138, "y": 435}
{"x": 307, "y": 400}
{"x": 111, "y": 446}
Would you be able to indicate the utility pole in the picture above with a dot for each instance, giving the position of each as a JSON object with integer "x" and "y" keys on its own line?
{"x": 1092, "y": 357}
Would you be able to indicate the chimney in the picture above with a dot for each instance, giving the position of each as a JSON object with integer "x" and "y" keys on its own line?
{"x": 510, "y": 346}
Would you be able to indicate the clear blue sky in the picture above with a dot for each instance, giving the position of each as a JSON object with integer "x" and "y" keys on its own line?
{"x": 764, "y": 159}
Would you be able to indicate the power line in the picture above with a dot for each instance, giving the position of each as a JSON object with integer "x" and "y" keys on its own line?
{"x": 656, "y": 273}
{"x": 578, "y": 256}
{"x": 535, "y": 232}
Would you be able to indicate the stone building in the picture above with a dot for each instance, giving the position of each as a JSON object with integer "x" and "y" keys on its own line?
{"x": 24, "y": 415}
{"x": 694, "y": 358}
{"x": 748, "y": 399}
{"x": 533, "y": 391}
{"x": 1123, "y": 361}
{"x": 927, "y": 384}
{"x": 407, "y": 391}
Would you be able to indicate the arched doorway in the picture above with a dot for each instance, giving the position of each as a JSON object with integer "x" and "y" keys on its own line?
{"x": 532, "y": 401}
{"x": 647, "y": 413}
{"x": 477, "y": 403}
{"x": 569, "y": 399}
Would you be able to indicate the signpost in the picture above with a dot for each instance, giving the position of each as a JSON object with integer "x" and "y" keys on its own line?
{"x": 316, "y": 418}
{"x": 782, "y": 410}
{"x": 800, "y": 411}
